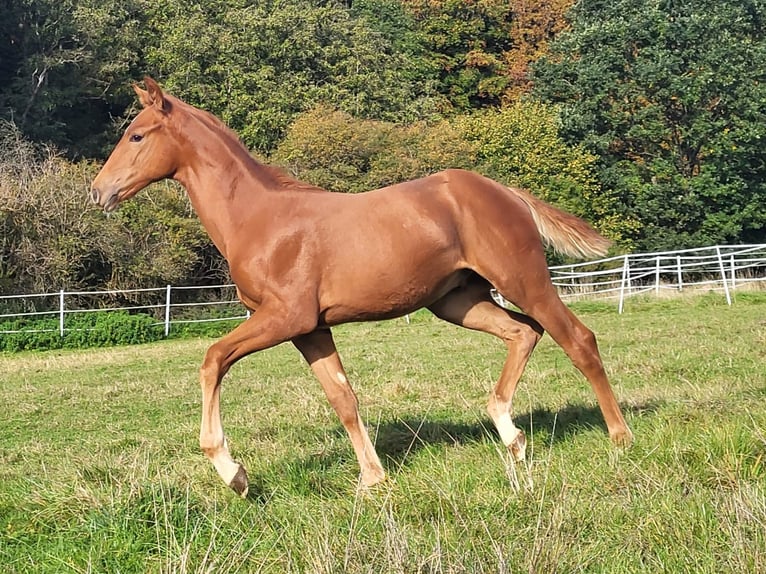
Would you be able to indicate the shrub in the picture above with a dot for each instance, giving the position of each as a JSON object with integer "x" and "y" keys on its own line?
{"x": 99, "y": 329}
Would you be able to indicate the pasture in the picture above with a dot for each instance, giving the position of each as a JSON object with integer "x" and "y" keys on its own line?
{"x": 100, "y": 469}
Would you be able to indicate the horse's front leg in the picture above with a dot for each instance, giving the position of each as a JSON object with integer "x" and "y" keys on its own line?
{"x": 262, "y": 330}
{"x": 319, "y": 350}
{"x": 211, "y": 438}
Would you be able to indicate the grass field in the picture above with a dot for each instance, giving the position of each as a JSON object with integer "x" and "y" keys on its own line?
{"x": 100, "y": 469}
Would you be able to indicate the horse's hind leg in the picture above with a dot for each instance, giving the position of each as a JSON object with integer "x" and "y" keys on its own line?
{"x": 537, "y": 297}
{"x": 579, "y": 343}
{"x": 472, "y": 307}
{"x": 319, "y": 350}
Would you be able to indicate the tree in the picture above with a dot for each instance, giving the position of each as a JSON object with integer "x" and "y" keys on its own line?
{"x": 466, "y": 41}
{"x": 338, "y": 152}
{"x": 671, "y": 96}
{"x": 258, "y": 65}
{"x": 534, "y": 24}
{"x": 520, "y": 145}
{"x": 481, "y": 50}
{"x": 59, "y": 59}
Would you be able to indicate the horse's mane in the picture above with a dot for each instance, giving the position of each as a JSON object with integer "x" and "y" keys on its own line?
{"x": 286, "y": 181}
{"x": 276, "y": 176}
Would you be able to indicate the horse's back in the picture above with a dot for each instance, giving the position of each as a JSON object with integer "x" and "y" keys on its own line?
{"x": 452, "y": 211}
{"x": 392, "y": 250}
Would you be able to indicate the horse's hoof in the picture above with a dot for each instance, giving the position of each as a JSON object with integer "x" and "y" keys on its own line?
{"x": 239, "y": 483}
{"x": 623, "y": 438}
{"x": 518, "y": 447}
{"x": 373, "y": 477}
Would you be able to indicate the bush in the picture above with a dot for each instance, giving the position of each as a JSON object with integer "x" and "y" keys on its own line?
{"x": 99, "y": 329}
{"x": 209, "y": 330}
{"x": 338, "y": 152}
{"x": 52, "y": 234}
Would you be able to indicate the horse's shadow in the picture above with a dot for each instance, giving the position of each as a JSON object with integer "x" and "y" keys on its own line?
{"x": 398, "y": 440}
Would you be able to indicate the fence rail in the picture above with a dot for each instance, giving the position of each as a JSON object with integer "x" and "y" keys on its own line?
{"x": 168, "y": 311}
{"x": 718, "y": 268}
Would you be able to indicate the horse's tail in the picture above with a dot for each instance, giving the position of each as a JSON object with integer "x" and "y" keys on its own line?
{"x": 565, "y": 233}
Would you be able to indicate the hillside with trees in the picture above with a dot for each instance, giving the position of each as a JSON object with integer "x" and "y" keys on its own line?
{"x": 646, "y": 118}
{"x": 671, "y": 97}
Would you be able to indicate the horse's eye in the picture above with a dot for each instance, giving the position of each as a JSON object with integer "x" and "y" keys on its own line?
{"x": 136, "y": 138}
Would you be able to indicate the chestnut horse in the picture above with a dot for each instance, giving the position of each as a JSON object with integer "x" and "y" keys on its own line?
{"x": 305, "y": 259}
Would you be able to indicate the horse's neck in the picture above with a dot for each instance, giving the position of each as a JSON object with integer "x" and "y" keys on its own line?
{"x": 224, "y": 197}
{"x": 225, "y": 184}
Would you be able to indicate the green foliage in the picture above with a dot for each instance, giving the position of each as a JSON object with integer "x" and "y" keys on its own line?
{"x": 96, "y": 329}
{"x": 466, "y": 41}
{"x": 338, "y": 152}
{"x": 671, "y": 97}
{"x": 62, "y": 57}
{"x": 520, "y": 145}
{"x": 257, "y": 65}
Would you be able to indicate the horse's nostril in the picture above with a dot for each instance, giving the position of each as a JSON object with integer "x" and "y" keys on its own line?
{"x": 94, "y": 194}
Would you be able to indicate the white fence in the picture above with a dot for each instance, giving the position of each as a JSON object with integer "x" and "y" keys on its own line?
{"x": 65, "y": 303}
{"x": 719, "y": 268}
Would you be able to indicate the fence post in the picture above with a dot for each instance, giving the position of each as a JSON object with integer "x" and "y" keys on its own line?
{"x": 625, "y": 279}
{"x": 61, "y": 312}
{"x": 733, "y": 272}
{"x": 657, "y": 276}
{"x": 723, "y": 275}
{"x": 680, "y": 273}
{"x": 167, "y": 311}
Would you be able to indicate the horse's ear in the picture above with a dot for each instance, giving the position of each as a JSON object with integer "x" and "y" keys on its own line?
{"x": 143, "y": 96}
{"x": 152, "y": 95}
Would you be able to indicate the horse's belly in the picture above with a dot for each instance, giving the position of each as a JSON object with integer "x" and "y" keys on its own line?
{"x": 386, "y": 298}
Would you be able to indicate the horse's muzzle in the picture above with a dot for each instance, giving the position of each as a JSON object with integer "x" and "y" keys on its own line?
{"x": 108, "y": 202}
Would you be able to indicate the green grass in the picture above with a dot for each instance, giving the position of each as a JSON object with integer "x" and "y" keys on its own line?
{"x": 100, "y": 469}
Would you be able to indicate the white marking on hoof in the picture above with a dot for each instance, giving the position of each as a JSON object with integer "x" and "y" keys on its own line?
{"x": 373, "y": 476}
{"x": 507, "y": 430}
{"x": 622, "y": 438}
{"x": 226, "y": 467}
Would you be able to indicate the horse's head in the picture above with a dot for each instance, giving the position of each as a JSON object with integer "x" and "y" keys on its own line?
{"x": 147, "y": 151}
